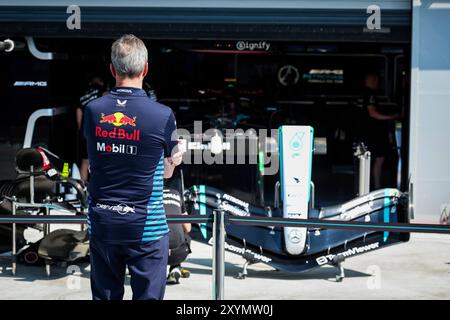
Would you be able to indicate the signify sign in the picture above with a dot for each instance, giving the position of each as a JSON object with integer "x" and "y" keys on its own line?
{"x": 252, "y": 46}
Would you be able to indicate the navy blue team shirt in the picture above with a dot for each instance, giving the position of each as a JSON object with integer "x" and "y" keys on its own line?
{"x": 128, "y": 136}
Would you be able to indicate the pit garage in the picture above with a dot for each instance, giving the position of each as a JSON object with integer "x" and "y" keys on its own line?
{"x": 232, "y": 73}
{"x": 305, "y": 67}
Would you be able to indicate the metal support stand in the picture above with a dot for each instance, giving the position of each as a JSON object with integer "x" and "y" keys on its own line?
{"x": 276, "y": 195}
{"x": 242, "y": 275}
{"x": 269, "y": 215}
{"x": 312, "y": 200}
{"x": 363, "y": 156}
{"x": 34, "y": 205}
{"x": 218, "y": 254}
{"x": 337, "y": 262}
{"x": 341, "y": 274}
{"x": 47, "y": 267}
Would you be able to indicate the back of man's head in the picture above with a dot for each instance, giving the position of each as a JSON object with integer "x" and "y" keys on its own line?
{"x": 129, "y": 56}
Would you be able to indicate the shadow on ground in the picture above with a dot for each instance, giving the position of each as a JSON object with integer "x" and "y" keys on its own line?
{"x": 232, "y": 270}
{"x": 34, "y": 273}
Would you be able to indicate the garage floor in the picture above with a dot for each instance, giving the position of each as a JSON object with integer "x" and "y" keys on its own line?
{"x": 419, "y": 269}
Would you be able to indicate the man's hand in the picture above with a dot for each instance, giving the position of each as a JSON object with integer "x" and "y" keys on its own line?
{"x": 175, "y": 159}
{"x": 180, "y": 149}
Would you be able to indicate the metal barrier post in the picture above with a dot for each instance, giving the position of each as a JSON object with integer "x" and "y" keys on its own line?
{"x": 32, "y": 184}
{"x": 218, "y": 254}
{"x": 367, "y": 171}
{"x": 46, "y": 232}
{"x": 14, "y": 248}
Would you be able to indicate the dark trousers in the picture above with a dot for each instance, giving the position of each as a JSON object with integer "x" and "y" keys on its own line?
{"x": 147, "y": 264}
{"x": 179, "y": 254}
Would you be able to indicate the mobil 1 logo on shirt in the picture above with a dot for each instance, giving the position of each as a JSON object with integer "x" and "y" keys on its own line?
{"x": 116, "y": 148}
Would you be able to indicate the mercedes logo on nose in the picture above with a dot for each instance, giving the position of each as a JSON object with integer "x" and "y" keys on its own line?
{"x": 295, "y": 236}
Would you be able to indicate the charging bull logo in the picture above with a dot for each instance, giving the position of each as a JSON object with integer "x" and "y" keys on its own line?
{"x": 118, "y": 119}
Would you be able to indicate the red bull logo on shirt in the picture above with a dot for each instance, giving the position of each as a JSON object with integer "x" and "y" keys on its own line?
{"x": 118, "y": 119}
{"x": 118, "y": 134}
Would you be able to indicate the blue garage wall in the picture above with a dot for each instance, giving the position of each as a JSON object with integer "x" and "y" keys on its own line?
{"x": 430, "y": 108}
{"x": 276, "y": 4}
{"x": 301, "y": 20}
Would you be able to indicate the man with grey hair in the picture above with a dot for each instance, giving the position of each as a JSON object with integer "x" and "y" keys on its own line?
{"x": 132, "y": 147}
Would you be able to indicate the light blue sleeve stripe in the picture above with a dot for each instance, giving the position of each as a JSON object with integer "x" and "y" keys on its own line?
{"x": 150, "y": 215}
{"x": 151, "y": 233}
{"x": 202, "y": 199}
{"x": 156, "y": 228}
{"x": 156, "y": 199}
{"x": 386, "y": 214}
{"x": 155, "y": 211}
{"x": 155, "y": 203}
{"x": 154, "y": 217}
{"x": 153, "y": 223}
{"x": 156, "y": 223}
{"x": 155, "y": 206}
{"x": 159, "y": 172}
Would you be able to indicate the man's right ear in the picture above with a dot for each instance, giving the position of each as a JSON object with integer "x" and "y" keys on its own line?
{"x": 113, "y": 70}
{"x": 144, "y": 73}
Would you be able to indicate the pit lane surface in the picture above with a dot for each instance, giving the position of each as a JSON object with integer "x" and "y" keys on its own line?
{"x": 419, "y": 269}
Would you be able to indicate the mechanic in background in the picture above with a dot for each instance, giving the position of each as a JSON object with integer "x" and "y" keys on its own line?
{"x": 96, "y": 89}
{"x": 378, "y": 136}
{"x": 179, "y": 239}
